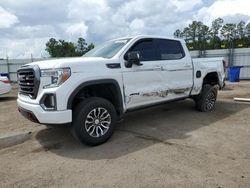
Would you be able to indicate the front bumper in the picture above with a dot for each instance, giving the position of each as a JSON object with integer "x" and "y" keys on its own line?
{"x": 36, "y": 113}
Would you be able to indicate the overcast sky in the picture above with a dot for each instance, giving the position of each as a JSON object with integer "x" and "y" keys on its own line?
{"x": 26, "y": 25}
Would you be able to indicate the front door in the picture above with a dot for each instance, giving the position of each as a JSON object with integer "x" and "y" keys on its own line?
{"x": 143, "y": 85}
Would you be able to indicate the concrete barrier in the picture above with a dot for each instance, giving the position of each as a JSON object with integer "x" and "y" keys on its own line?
{"x": 13, "y": 139}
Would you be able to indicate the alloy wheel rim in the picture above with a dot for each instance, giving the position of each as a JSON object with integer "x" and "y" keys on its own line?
{"x": 210, "y": 101}
{"x": 97, "y": 122}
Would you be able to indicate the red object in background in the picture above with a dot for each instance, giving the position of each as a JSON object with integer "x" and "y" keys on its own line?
{"x": 5, "y": 81}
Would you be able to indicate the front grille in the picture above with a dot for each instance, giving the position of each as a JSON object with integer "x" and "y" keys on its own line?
{"x": 28, "y": 81}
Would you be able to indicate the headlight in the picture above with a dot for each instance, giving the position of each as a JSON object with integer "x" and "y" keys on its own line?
{"x": 58, "y": 76}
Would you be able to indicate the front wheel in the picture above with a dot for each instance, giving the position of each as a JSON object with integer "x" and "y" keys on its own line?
{"x": 205, "y": 101}
{"x": 93, "y": 121}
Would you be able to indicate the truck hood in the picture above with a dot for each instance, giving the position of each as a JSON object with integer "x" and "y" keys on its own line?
{"x": 68, "y": 62}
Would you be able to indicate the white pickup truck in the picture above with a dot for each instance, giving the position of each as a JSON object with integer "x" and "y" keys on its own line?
{"x": 92, "y": 92}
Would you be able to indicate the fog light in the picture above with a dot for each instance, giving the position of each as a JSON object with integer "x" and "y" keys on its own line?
{"x": 48, "y": 102}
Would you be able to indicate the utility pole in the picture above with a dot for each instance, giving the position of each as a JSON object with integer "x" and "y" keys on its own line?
{"x": 31, "y": 57}
{"x": 231, "y": 51}
{"x": 7, "y": 63}
{"x": 230, "y": 38}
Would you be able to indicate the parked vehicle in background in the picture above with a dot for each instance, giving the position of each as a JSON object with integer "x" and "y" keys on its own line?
{"x": 5, "y": 86}
{"x": 92, "y": 92}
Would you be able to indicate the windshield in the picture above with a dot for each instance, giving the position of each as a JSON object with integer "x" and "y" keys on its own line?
{"x": 107, "y": 49}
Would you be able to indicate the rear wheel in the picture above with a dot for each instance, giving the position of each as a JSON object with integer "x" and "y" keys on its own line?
{"x": 93, "y": 121}
{"x": 205, "y": 101}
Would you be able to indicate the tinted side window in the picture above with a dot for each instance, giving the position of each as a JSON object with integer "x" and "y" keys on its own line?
{"x": 146, "y": 50}
{"x": 170, "y": 49}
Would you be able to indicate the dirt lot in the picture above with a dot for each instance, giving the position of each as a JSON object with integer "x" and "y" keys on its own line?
{"x": 167, "y": 146}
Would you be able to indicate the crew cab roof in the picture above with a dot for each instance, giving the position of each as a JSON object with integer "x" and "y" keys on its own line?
{"x": 148, "y": 36}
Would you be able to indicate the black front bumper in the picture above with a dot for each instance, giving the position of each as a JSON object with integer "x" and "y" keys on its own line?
{"x": 28, "y": 114}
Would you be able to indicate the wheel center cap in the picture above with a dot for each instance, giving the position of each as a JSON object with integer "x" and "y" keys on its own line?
{"x": 97, "y": 121}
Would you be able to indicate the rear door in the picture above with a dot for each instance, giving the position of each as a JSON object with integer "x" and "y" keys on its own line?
{"x": 177, "y": 68}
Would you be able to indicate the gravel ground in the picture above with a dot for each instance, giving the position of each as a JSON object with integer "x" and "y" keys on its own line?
{"x": 167, "y": 146}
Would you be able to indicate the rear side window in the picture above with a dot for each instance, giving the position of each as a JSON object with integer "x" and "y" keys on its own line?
{"x": 146, "y": 49}
{"x": 170, "y": 49}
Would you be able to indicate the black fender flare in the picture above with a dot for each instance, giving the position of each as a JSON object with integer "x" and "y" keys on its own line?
{"x": 96, "y": 82}
{"x": 217, "y": 78}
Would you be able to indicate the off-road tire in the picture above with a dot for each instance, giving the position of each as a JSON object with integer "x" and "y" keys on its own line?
{"x": 205, "y": 101}
{"x": 82, "y": 121}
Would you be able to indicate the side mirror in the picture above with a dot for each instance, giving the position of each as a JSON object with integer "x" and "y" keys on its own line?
{"x": 133, "y": 58}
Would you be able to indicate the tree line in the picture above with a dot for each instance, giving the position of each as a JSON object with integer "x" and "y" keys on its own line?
{"x": 220, "y": 35}
{"x": 197, "y": 35}
{"x": 62, "y": 48}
